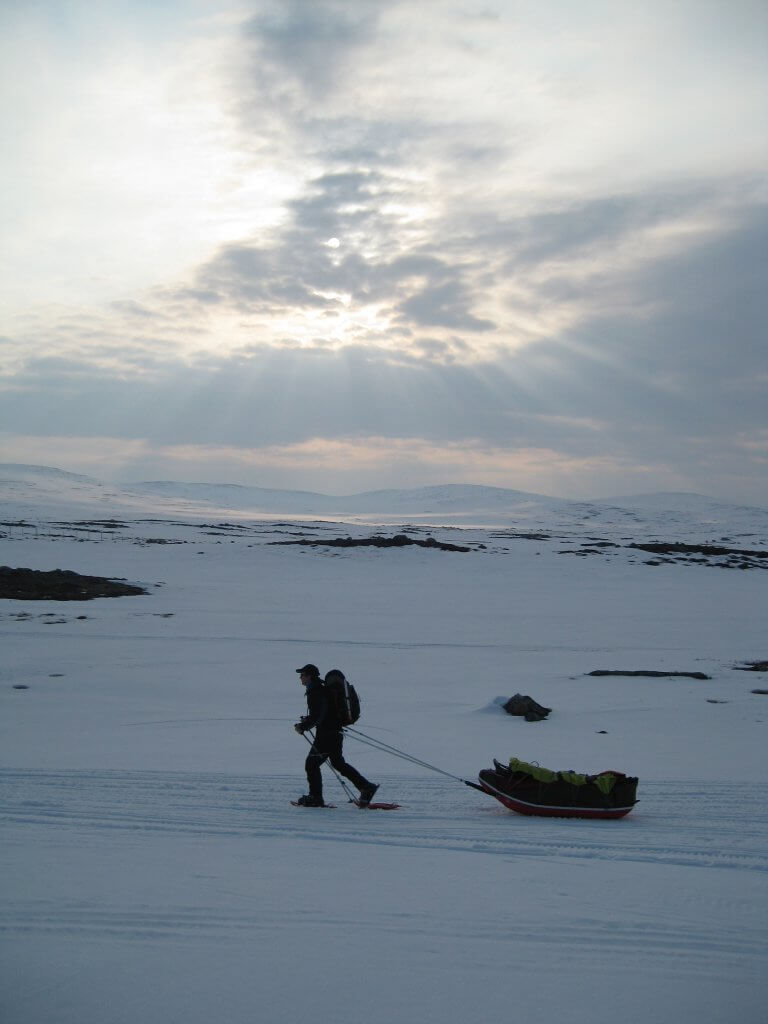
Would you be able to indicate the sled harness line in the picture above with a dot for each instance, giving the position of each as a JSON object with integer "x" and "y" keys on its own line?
{"x": 377, "y": 744}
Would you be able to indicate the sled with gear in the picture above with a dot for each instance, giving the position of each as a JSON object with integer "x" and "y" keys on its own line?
{"x": 529, "y": 789}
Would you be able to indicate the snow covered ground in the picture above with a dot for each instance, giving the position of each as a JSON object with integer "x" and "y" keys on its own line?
{"x": 154, "y": 870}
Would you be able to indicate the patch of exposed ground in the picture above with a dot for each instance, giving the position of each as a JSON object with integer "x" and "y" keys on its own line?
{"x": 60, "y": 585}
{"x": 644, "y": 672}
{"x": 398, "y": 541}
{"x": 709, "y": 554}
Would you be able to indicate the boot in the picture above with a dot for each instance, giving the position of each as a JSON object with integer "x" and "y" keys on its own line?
{"x": 310, "y": 801}
{"x": 366, "y": 794}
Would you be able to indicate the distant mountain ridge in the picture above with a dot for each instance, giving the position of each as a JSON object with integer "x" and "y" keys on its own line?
{"x": 37, "y": 491}
{"x": 679, "y": 500}
{"x": 24, "y": 470}
{"x": 437, "y": 497}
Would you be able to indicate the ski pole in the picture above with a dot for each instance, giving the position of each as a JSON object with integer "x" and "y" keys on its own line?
{"x": 352, "y": 799}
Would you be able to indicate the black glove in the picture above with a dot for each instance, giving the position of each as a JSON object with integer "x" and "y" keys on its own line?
{"x": 299, "y": 727}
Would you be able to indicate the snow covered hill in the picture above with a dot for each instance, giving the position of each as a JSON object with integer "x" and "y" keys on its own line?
{"x": 33, "y": 492}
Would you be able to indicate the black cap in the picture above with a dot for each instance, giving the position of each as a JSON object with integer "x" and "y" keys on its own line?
{"x": 311, "y": 670}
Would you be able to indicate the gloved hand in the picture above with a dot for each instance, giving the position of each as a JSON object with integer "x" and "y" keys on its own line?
{"x": 299, "y": 727}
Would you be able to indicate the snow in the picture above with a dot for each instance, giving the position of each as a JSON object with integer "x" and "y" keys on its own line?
{"x": 154, "y": 869}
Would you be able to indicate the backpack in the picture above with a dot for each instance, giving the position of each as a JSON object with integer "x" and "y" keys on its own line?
{"x": 343, "y": 696}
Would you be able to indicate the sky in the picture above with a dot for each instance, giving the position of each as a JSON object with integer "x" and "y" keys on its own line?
{"x": 340, "y": 245}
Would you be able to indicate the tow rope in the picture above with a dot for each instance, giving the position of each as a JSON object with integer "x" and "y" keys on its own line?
{"x": 387, "y": 748}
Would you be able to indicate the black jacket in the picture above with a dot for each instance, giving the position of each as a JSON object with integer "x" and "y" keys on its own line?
{"x": 321, "y": 710}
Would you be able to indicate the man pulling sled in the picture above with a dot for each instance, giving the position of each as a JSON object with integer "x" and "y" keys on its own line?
{"x": 327, "y": 715}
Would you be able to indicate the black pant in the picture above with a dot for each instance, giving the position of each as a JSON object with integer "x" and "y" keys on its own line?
{"x": 327, "y": 746}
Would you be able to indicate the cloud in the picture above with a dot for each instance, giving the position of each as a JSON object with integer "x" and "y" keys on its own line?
{"x": 675, "y": 387}
{"x": 371, "y": 463}
{"x": 495, "y": 281}
{"x": 443, "y": 305}
{"x": 371, "y": 265}
{"x": 702, "y": 345}
{"x": 550, "y": 229}
{"x": 308, "y": 44}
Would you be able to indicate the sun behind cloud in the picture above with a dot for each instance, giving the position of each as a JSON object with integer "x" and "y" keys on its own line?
{"x": 454, "y": 231}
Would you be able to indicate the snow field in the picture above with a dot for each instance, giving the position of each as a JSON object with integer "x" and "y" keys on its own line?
{"x": 155, "y": 871}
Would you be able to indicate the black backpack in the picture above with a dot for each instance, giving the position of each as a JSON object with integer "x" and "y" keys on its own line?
{"x": 344, "y": 697}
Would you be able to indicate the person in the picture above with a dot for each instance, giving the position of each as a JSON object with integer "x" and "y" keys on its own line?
{"x": 329, "y": 737}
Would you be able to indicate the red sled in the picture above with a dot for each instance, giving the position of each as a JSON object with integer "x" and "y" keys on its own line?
{"x": 525, "y": 794}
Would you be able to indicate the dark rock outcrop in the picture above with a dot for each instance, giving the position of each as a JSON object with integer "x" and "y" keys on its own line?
{"x": 398, "y": 541}
{"x": 526, "y": 707}
{"x": 652, "y": 674}
{"x": 60, "y": 585}
{"x": 708, "y": 554}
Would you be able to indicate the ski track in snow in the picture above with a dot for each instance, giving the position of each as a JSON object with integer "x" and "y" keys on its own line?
{"x": 676, "y": 824}
{"x": 396, "y": 645}
{"x": 680, "y": 943}
{"x": 719, "y": 825}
